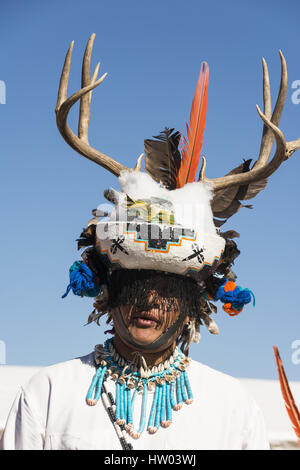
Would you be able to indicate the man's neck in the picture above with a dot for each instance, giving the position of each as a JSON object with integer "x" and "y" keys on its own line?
{"x": 151, "y": 358}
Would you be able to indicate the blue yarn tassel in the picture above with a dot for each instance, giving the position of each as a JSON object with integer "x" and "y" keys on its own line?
{"x": 82, "y": 281}
{"x": 238, "y": 297}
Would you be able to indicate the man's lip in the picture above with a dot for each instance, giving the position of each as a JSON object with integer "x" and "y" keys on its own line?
{"x": 146, "y": 317}
{"x": 140, "y": 318}
{"x": 141, "y": 322}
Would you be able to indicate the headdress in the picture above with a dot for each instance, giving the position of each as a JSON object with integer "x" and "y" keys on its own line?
{"x": 168, "y": 220}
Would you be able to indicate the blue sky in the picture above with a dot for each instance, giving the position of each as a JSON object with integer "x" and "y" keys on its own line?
{"x": 152, "y": 52}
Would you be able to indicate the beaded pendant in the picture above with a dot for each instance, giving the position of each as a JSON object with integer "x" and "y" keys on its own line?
{"x": 168, "y": 380}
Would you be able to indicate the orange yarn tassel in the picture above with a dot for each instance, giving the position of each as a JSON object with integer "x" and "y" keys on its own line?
{"x": 231, "y": 311}
{"x": 230, "y": 285}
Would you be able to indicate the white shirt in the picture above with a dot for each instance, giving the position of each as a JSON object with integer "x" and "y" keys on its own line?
{"x": 50, "y": 412}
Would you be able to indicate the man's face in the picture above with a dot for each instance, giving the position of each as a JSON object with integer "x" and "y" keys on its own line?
{"x": 146, "y": 326}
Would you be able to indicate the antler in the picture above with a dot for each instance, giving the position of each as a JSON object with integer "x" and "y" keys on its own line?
{"x": 64, "y": 104}
{"x": 262, "y": 168}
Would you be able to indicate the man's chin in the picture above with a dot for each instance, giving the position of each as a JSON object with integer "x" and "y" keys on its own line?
{"x": 143, "y": 335}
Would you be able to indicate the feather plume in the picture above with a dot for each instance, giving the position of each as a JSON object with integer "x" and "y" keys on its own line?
{"x": 87, "y": 237}
{"x": 191, "y": 147}
{"x": 290, "y": 404}
{"x": 227, "y": 202}
{"x": 162, "y": 157}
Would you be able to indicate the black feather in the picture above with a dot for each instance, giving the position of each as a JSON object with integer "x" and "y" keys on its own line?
{"x": 94, "y": 262}
{"x": 227, "y": 202}
{"x": 224, "y": 197}
{"x": 163, "y": 158}
{"x": 87, "y": 237}
{"x": 230, "y": 234}
{"x": 110, "y": 196}
{"x": 219, "y": 222}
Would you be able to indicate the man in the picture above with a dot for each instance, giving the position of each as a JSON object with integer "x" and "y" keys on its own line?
{"x": 51, "y": 412}
{"x": 154, "y": 265}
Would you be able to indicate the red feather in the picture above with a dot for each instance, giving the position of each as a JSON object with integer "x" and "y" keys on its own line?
{"x": 290, "y": 404}
{"x": 191, "y": 147}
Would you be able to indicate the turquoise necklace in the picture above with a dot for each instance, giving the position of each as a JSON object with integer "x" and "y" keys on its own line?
{"x": 168, "y": 380}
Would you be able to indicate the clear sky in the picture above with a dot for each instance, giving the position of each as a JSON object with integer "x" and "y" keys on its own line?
{"x": 152, "y": 52}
